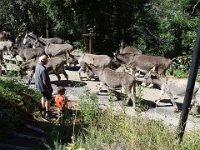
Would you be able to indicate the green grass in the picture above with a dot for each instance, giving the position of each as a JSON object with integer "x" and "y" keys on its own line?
{"x": 134, "y": 133}
{"x": 110, "y": 130}
{"x": 183, "y": 74}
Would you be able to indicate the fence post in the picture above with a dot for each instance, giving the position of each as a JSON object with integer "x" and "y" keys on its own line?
{"x": 88, "y": 41}
{"x": 190, "y": 86}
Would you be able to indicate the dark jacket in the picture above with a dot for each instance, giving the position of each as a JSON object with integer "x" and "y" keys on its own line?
{"x": 42, "y": 80}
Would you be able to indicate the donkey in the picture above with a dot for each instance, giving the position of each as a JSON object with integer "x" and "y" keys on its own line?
{"x": 57, "y": 49}
{"x": 54, "y": 40}
{"x": 2, "y": 63}
{"x": 30, "y": 37}
{"x": 113, "y": 79}
{"x": 172, "y": 86}
{"x": 144, "y": 63}
{"x": 54, "y": 49}
{"x": 4, "y": 35}
{"x": 27, "y": 53}
{"x": 72, "y": 59}
{"x": 5, "y": 46}
{"x": 55, "y": 66}
{"x": 96, "y": 60}
{"x": 131, "y": 50}
{"x": 19, "y": 41}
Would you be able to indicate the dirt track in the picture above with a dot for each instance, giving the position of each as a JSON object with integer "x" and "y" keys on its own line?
{"x": 165, "y": 111}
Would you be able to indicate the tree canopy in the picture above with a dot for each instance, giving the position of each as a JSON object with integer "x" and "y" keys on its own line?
{"x": 157, "y": 27}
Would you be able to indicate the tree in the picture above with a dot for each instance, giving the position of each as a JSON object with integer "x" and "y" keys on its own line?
{"x": 177, "y": 27}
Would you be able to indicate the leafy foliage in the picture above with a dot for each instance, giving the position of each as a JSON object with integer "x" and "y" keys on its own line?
{"x": 157, "y": 27}
{"x": 89, "y": 106}
{"x": 14, "y": 107}
{"x": 177, "y": 27}
{"x": 11, "y": 88}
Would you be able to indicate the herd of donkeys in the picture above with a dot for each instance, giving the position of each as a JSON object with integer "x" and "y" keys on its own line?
{"x": 124, "y": 70}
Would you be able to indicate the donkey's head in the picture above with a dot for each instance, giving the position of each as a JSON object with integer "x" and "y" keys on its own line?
{"x": 90, "y": 70}
{"x": 29, "y": 39}
{"x": 36, "y": 44}
{"x": 148, "y": 81}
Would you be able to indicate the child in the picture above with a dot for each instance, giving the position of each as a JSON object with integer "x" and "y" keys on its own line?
{"x": 61, "y": 102}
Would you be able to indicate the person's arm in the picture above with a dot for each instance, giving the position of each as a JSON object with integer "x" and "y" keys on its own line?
{"x": 62, "y": 103}
{"x": 43, "y": 77}
{"x": 46, "y": 85}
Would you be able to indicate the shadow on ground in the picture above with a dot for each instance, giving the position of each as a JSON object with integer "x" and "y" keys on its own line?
{"x": 73, "y": 68}
{"x": 69, "y": 83}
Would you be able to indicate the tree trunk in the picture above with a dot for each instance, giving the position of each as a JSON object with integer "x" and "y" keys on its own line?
{"x": 85, "y": 31}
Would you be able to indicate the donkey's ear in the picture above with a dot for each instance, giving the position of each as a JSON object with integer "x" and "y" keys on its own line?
{"x": 116, "y": 53}
{"x": 153, "y": 69}
{"x": 93, "y": 61}
{"x": 86, "y": 65}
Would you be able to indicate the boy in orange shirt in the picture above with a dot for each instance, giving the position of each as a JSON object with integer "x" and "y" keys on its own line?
{"x": 61, "y": 102}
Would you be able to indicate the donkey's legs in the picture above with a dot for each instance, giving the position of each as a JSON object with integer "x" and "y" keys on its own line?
{"x": 131, "y": 95}
{"x": 2, "y": 63}
{"x": 31, "y": 76}
{"x": 123, "y": 90}
{"x": 161, "y": 96}
{"x": 100, "y": 87}
{"x": 65, "y": 74}
{"x": 79, "y": 73}
{"x": 58, "y": 76}
{"x": 81, "y": 70}
{"x": 173, "y": 101}
{"x": 132, "y": 98}
{"x": 194, "y": 106}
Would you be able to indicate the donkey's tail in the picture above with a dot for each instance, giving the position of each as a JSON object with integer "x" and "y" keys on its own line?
{"x": 133, "y": 92}
{"x": 133, "y": 88}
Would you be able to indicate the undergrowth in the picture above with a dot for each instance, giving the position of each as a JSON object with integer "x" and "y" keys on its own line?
{"x": 111, "y": 130}
{"x": 16, "y": 100}
{"x": 99, "y": 128}
{"x": 183, "y": 74}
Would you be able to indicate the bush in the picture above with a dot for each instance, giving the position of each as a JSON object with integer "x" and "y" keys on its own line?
{"x": 14, "y": 87}
{"x": 13, "y": 105}
{"x": 89, "y": 106}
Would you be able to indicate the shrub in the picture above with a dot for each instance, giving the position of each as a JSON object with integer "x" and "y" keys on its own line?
{"x": 12, "y": 105}
{"x": 89, "y": 106}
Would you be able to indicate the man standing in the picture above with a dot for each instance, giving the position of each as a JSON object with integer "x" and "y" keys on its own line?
{"x": 43, "y": 84}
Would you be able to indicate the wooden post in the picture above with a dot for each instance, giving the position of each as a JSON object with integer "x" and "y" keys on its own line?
{"x": 90, "y": 43}
{"x": 190, "y": 87}
{"x": 88, "y": 40}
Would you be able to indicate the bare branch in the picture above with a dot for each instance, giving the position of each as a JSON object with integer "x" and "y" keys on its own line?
{"x": 194, "y": 7}
{"x": 152, "y": 35}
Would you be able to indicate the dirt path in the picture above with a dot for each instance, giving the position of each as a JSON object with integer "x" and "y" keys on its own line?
{"x": 164, "y": 112}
